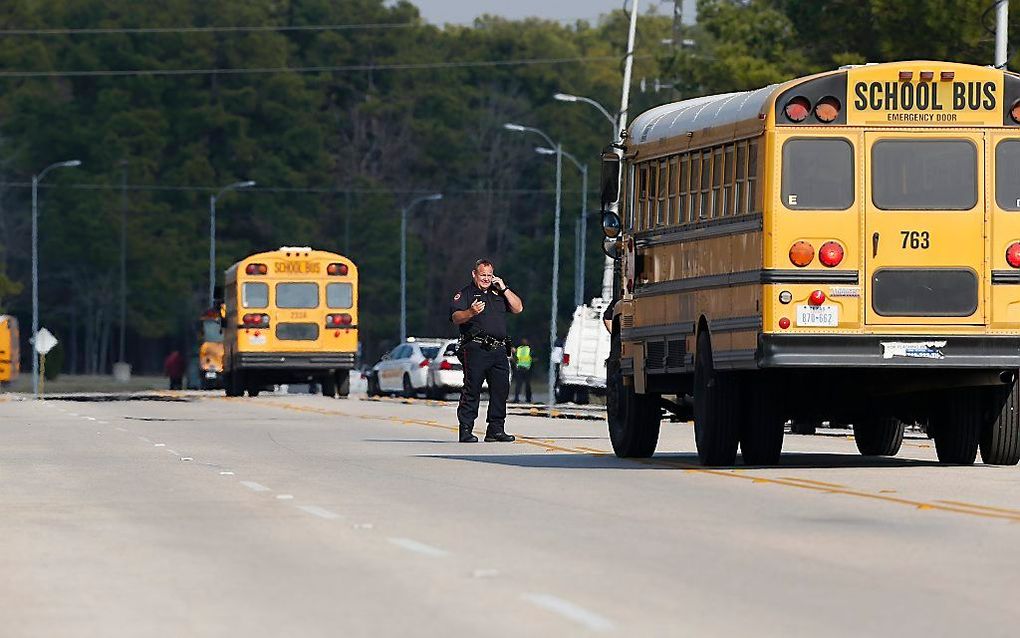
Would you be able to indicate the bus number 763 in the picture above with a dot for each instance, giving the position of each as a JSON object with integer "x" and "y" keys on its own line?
{"x": 916, "y": 239}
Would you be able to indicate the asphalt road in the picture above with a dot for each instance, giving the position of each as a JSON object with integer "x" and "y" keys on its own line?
{"x": 306, "y": 516}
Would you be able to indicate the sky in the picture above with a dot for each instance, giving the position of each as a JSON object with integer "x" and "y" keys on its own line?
{"x": 464, "y": 11}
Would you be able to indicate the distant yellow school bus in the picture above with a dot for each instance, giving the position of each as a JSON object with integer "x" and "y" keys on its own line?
{"x": 291, "y": 317}
{"x": 10, "y": 354}
{"x": 844, "y": 246}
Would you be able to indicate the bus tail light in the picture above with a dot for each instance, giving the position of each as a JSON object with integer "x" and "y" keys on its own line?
{"x": 566, "y": 359}
{"x": 797, "y": 109}
{"x": 784, "y": 323}
{"x": 816, "y": 298}
{"x": 1015, "y": 112}
{"x": 1013, "y": 255}
{"x": 831, "y": 254}
{"x": 255, "y": 320}
{"x": 445, "y": 365}
{"x": 827, "y": 109}
{"x": 256, "y": 269}
{"x": 342, "y": 319}
{"x": 336, "y": 269}
{"x": 424, "y": 363}
{"x": 801, "y": 254}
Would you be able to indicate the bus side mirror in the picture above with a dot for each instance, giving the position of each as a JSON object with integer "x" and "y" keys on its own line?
{"x": 612, "y": 248}
{"x": 610, "y": 224}
{"x": 610, "y": 179}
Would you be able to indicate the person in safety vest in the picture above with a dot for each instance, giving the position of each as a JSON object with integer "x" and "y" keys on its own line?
{"x": 522, "y": 371}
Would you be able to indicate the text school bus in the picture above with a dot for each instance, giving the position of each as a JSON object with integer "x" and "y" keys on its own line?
{"x": 10, "y": 354}
{"x": 291, "y": 316}
{"x": 844, "y": 246}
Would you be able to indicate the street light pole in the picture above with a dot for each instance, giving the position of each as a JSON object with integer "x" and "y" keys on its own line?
{"x": 403, "y": 259}
{"x": 582, "y": 225}
{"x": 35, "y": 265}
{"x": 567, "y": 97}
{"x": 123, "y": 257}
{"x": 551, "y": 401}
{"x": 212, "y": 234}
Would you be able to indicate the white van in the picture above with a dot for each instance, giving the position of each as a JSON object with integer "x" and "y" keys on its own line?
{"x": 582, "y": 363}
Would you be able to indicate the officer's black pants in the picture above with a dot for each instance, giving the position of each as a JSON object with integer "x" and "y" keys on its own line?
{"x": 481, "y": 365}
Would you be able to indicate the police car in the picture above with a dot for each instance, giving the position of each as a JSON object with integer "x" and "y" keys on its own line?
{"x": 403, "y": 370}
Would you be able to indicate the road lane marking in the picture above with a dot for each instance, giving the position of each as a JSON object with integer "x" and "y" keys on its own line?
{"x": 285, "y": 497}
{"x": 810, "y": 482}
{"x": 255, "y": 487}
{"x": 119, "y": 429}
{"x": 226, "y": 473}
{"x": 187, "y": 458}
{"x": 570, "y": 611}
{"x": 689, "y": 467}
{"x": 321, "y": 512}
{"x": 159, "y": 445}
{"x": 412, "y": 545}
{"x": 981, "y": 507}
{"x": 90, "y": 418}
{"x": 104, "y": 422}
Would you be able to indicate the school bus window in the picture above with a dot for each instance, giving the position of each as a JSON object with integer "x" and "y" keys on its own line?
{"x": 297, "y": 295}
{"x": 924, "y": 174}
{"x": 255, "y": 295}
{"x": 681, "y": 203}
{"x": 631, "y": 204}
{"x": 672, "y": 203}
{"x": 717, "y": 176}
{"x": 339, "y": 295}
{"x": 1007, "y": 174}
{"x": 642, "y": 196}
{"x": 728, "y": 207}
{"x": 740, "y": 202}
{"x": 692, "y": 190}
{"x": 705, "y": 201}
{"x": 818, "y": 174}
{"x": 660, "y": 194}
{"x": 753, "y": 205}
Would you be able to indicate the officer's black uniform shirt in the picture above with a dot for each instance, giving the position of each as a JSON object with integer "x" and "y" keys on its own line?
{"x": 492, "y": 320}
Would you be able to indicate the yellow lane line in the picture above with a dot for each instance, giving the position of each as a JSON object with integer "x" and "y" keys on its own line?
{"x": 803, "y": 480}
{"x": 803, "y": 484}
{"x": 981, "y": 507}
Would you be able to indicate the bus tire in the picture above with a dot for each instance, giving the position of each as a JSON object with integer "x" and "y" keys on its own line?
{"x": 763, "y": 428}
{"x": 233, "y": 383}
{"x": 343, "y": 386}
{"x": 1000, "y": 439}
{"x": 328, "y": 385}
{"x": 879, "y": 436}
{"x": 803, "y": 427}
{"x": 633, "y": 418}
{"x": 957, "y": 428}
{"x": 716, "y": 408}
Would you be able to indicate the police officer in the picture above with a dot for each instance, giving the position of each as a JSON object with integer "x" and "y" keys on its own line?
{"x": 479, "y": 309}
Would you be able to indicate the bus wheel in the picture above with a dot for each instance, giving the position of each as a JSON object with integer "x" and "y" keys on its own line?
{"x": 803, "y": 427}
{"x": 716, "y": 408}
{"x": 343, "y": 387}
{"x": 633, "y": 418}
{"x": 956, "y": 429}
{"x": 253, "y": 390}
{"x": 1000, "y": 439}
{"x": 233, "y": 383}
{"x": 328, "y": 385}
{"x": 763, "y": 428}
{"x": 879, "y": 436}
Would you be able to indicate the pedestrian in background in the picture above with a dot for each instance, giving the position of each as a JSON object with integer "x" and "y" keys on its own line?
{"x": 173, "y": 367}
{"x": 522, "y": 371}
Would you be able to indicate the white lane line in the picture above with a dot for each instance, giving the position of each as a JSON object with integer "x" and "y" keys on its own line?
{"x": 160, "y": 445}
{"x": 570, "y": 611}
{"x": 187, "y": 458}
{"x": 105, "y": 422}
{"x": 90, "y": 418}
{"x": 285, "y": 497}
{"x": 226, "y": 473}
{"x": 255, "y": 487}
{"x": 420, "y": 548}
{"x": 321, "y": 512}
{"x": 121, "y": 429}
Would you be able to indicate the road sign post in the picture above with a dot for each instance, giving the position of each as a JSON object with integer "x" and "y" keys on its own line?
{"x": 42, "y": 343}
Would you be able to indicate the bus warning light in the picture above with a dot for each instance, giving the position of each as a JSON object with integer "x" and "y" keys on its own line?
{"x": 256, "y": 269}
{"x": 817, "y": 298}
{"x": 906, "y": 76}
{"x": 336, "y": 269}
{"x": 801, "y": 253}
{"x": 831, "y": 254}
{"x": 927, "y": 76}
{"x": 947, "y": 76}
{"x": 1013, "y": 255}
{"x": 827, "y": 109}
{"x": 342, "y": 319}
{"x": 797, "y": 109}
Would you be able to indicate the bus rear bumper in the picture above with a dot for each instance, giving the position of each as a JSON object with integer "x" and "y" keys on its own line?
{"x": 295, "y": 360}
{"x": 885, "y": 351}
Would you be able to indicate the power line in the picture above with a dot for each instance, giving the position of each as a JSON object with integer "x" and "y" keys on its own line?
{"x": 283, "y": 189}
{"x": 312, "y": 69}
{"x": 251, "y": 29}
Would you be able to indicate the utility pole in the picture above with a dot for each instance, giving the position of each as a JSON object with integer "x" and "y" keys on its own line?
{"x": 1001, "y": 34}
{"x": 123, "y": 256}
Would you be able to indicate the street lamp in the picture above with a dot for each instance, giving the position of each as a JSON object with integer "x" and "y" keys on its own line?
{"x": 582, "y": 225}
{"x": 517, "y": 128}
{"x": 567, "y": 97}
{"x": 35, "y": 264}
{"x": 212, "y": 234}
{"x": 403, "y": 258}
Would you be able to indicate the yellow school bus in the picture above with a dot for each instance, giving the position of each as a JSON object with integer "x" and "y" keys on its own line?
{"x": 844, "y": 246}
{"x": 10, "y": 354}
{"x": 210, "y": 349}
{"x": 291, "y": 316}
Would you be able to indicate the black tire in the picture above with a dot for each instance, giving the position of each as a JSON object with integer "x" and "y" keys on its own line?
{"x": 328, "y": 386}
{"x": 956, "y": 429}
{"x": 563, "y": 394}
{"x": 233, "y": 383}
{"x": 879, "y": 436}
{"x": 343, "y": 386}
{"x": 803, "y": 427}
{"x": 581, "y": 396}
{"x": 633, "y": 418}
{"x": 717, "y": 408}
{"x": 763, "y": 426}
{"x": 408, "y": 392}
{"x": 253, "y": 390}
{"x": 1000, "y": 439}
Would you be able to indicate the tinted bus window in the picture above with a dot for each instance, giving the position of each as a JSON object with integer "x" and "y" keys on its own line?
{"x": 924, "y": 174}
{"x": 255, "y": 295}
{"x": 1007, "y": 175}
{"x": 339, "y": 295}
{"x": 297, "y": 295}
{"x": 818, "y": 174}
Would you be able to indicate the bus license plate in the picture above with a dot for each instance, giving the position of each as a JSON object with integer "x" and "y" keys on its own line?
{"x": 818, "y": 316}
{"x": 210, "y": 375}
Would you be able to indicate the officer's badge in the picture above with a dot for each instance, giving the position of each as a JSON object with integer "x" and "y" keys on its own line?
{"x": 456, "y": 296}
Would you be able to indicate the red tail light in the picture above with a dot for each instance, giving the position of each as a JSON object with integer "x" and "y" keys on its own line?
{"x": 445, "y": 365}
{"x": 817, "y": 298}
{"x": 784, "y": 323}
{"x": 797, "y": 109}
{"x": 424, "y": 363}
{"x": 255, "y": 320}
{"x": 342, "y": 319}
{"x": 1013, "y": 255}
{"x": 566, "y": 359}
{"x": 827, "y": 109}
{"x": 336, "y": 269}
{"x": 801, "y": 254}
{"x": 256, "y": 269}
{"x": 831, "y": 254}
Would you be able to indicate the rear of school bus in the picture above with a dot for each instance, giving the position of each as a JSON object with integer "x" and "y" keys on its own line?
{"x": 893, "y": 231}
{"x": 10, "y": 355}
{"x": 291, "y": 317}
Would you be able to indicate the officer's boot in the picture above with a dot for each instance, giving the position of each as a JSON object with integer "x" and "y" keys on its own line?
{"x": 466, "y": 436}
